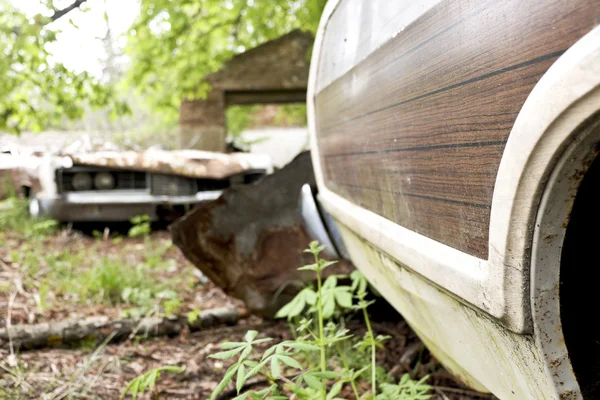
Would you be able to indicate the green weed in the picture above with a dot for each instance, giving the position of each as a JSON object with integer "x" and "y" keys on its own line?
{"x": 14, "y": 215}
{"x": 147, "y": 381}
{"x": 321, "y": 379}
{"x": 141, "y": 226}
{"x": 86, "y": 274}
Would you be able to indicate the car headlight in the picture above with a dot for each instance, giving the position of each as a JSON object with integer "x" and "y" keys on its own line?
{"x": 104, "y": 181}
{"x": 82, "y": 181}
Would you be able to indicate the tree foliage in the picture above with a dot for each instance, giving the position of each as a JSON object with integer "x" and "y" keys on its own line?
{"x": 35, "y": 90}
{"x": 174, "y": 44}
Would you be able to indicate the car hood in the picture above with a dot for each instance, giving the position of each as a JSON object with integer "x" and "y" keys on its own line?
{"x": 190, "y": 163}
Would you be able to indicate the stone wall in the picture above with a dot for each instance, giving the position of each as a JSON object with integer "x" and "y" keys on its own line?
{"x": 274, "y": 72}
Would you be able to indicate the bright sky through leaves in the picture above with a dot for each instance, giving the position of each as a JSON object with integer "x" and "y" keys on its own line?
{"x": 79, "y": 45}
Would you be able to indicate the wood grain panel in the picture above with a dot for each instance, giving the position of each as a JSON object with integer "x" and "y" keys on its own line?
{"x": 358, "y": 27}
{"x": 425, "y": 215}
{"x": 415, "y": 132}
{"x": 460, "y": 175}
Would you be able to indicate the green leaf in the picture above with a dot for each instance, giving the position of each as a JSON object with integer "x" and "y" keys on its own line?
{"x": 314, "y": 248}
{"x": 150, "y": 380}
{"x": 335, "y": 390}
{"x": 265, "y": 340}
{"x": 251, "y": 335}
{"x": 297, "y": 307}
{"x": 302, "y": 346}
{"x": 255, "y": 370}
{"x": 269, "y": 351}
{"x": 310, "y": 296}
{"x": 247, "y": 350}
{"x": 132, "y": 387}
{"x": 328, "y": 303}
{"x": 330, "y": 282}
{"x": 327, "y": 374}
{"x": 241, "y": 378}
{"x": 310, "y": 267}
{"x": 275, "y": 367}
{"x": 327, "y": 264}
{"x": 147, "y": 381}
{"x": 313, "y": 382}
{"x": 225, "y": 381}
{"x": 285, "y": 310}
{"x": 289, "y": 361}
{"x": 358, "y": 373}
{"x": 359, "y": 282}
{"x": 343, "y": 298}
{"x": 224, "y": 355}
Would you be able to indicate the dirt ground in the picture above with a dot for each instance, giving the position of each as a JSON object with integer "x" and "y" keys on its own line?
{"x": 31, "y": 293}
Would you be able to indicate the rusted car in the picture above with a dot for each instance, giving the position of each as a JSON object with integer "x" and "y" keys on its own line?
{"x": 455, "y": 148}
{"x": 118, "y": 185}
{"x": 18, "y": 170}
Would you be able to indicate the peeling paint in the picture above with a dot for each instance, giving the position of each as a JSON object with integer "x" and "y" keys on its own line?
{"x": 190, "y": 163}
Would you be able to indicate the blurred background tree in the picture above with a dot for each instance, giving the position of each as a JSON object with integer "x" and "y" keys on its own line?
{"x": 175, "y": 43}
{"x": 146, "y": 71}
{"x": 35, "y": 89}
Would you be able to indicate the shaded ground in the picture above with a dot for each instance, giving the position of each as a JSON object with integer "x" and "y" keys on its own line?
{"x": 46, "y": 277}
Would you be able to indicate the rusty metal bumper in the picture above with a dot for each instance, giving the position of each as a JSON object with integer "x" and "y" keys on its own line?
{"x": 113, "y": 206}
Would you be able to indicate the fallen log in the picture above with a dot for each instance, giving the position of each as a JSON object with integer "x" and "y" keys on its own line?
{"x": 69, "y": 332}
{"x": 251, "y": 241}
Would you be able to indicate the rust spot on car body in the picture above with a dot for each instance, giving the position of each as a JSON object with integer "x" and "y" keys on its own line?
{"x": 250, "y": 241}
{"x": 189, "y": 163}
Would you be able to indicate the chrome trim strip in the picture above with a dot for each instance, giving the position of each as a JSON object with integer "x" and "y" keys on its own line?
{"x": 136, "y": 197}
{"x": 313, "y": 222}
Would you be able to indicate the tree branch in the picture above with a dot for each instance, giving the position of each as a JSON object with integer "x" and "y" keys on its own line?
{"x": 61, "y": 13}
{"x": 238, "y": 20}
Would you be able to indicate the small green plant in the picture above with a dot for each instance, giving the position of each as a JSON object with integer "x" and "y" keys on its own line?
{"x": 192, "y": 316}
{"x": 14, "y": 215}
{"x": 406, "y": 389}
{"x": 147, "y": 301}
{"x": 108, "y": 278}
{"x": 141, "y": 226}
{"x": 155, "y": 254}
{"x": 317, "y": 341}
{"x": 172, "y": 307}
{"x": 147, "y": 381}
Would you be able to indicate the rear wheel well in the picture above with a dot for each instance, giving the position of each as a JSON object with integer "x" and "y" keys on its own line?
{"x": 580, "y": 284}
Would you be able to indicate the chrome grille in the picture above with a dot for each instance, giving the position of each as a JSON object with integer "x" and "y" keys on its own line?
{"x": 171, "y": 185}
{"x": 124, "y": 180}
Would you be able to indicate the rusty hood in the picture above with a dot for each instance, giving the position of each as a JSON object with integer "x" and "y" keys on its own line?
{"x": 190, "y": 163}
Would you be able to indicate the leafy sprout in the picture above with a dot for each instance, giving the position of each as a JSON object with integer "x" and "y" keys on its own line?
{"x": 147, "y": 381}
{"x": 287, "y": 365}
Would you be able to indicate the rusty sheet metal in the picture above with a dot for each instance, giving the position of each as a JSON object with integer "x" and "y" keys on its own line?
{"x": 250, "y": 241}
{"x": 16, "y": 173}
{"x": 190, "y": 163}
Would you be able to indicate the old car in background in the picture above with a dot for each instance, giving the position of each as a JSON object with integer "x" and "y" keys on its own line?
{"x": 455, "y": 148}
{"x": 118, "y": 185}
{"x": 18, "y": 170}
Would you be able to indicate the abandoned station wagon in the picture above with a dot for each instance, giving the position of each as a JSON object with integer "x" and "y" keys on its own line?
{"x": 118, "y": 185}
{"x": 455, "y": 146}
